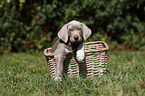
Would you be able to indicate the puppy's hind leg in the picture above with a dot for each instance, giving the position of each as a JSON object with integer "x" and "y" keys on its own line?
{"x": 82, "y": 68}
{"x": 66, "y": 65}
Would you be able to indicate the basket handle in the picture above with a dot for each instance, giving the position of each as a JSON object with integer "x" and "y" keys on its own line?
{"x": 101, "y": 49}
{"x": 91, "y": 50}
{"x": 48, "y": 53}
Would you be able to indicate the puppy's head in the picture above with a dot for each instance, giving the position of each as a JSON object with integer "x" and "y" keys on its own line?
{"x": 75, "y": 31}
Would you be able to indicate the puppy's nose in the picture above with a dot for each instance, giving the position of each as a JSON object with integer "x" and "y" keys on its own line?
{"x": 76, "y": 37}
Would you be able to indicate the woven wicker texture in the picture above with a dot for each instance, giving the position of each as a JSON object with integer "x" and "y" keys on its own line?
{"x": 96, "y": 61}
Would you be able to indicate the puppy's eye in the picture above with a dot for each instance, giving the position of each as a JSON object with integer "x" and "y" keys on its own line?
{"x": 79, "y": 28}
{"x": 70, "y": 29}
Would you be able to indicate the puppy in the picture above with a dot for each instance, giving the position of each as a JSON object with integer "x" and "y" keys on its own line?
{"x": 71, "y": 37}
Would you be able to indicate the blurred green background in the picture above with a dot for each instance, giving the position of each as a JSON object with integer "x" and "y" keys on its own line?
{"x": 29, "y": 25}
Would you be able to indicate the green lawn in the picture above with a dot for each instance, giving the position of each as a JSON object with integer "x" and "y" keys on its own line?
{"x": 28, "y": 74}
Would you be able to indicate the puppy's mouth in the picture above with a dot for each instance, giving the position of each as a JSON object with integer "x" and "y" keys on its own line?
{"x": 76, "y": 41}
{"x": 79, "y": 40}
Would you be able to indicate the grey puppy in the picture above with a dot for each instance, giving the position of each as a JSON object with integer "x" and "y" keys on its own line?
{"x": 71, "y": 37}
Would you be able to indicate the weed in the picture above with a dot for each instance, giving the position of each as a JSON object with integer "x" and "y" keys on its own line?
{"x": 28, "y": 74}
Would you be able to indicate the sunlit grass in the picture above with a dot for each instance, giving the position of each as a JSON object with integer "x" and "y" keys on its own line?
{"x": 28, "y": 74}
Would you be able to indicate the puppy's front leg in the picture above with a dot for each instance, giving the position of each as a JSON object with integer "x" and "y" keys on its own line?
{"x": 80, "y": 56}
{"x": 59, "y": 61}
{"x": 80, "y": 53}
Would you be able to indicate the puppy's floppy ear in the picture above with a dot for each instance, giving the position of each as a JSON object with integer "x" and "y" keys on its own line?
{"x": 86, "y": 31}
{"x": 63, "y": 33}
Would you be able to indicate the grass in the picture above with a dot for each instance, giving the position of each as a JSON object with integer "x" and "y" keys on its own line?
{"x": 28, "y": 74}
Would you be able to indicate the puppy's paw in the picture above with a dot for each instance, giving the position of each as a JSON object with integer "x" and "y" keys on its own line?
{"x": 58, "y": 79}
{"x": 80, "y": 56}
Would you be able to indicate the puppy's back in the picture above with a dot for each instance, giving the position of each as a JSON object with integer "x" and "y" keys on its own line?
{"x": 54, "y": 47}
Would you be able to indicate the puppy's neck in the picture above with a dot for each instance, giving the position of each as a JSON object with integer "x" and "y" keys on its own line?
{"x": 75, "y": 46}
{"x": 70, "y": 45}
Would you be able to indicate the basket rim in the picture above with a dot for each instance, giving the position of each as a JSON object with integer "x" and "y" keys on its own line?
{"x": 86, "y": 51}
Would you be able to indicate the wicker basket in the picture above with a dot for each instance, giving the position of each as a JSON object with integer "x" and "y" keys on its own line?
{"x": 96, "y": 60}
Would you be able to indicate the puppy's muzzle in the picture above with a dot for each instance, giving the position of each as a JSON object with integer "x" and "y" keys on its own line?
{"x": 76, "y": 37}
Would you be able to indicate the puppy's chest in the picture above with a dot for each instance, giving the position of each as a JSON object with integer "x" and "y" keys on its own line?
{"x": 70, "y": 48}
